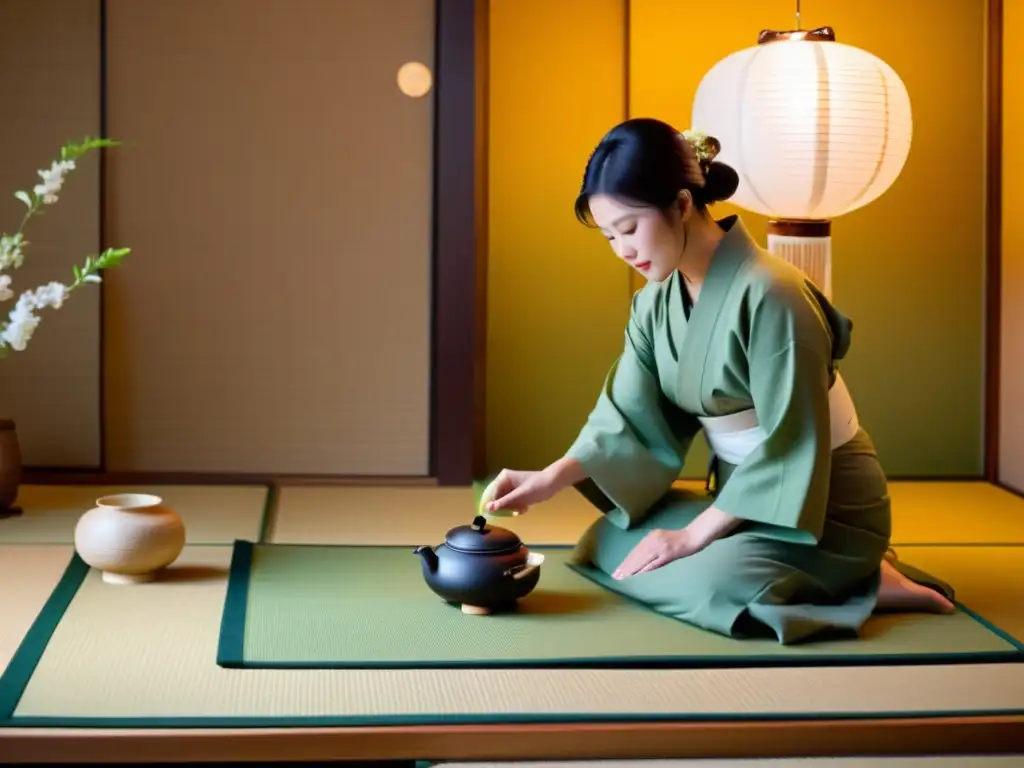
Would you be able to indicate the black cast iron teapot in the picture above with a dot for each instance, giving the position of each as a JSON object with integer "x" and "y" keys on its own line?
{"x": 481, "y": 567}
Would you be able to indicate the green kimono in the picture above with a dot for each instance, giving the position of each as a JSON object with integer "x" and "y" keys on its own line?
{"x": 805, "y": 563}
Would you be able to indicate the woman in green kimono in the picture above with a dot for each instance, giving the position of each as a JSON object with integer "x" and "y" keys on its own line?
{"x": 793, "y": 540}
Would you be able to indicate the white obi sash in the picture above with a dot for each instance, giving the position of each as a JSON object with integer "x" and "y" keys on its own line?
{"x": 735, "y": 436}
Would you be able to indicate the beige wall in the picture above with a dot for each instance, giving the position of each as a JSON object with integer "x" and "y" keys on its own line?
{"x": 1011, "y": 387}
{"x": 274, "y": 315}
{"x": 49, "y": 89}
{"x": 276, "y": 190}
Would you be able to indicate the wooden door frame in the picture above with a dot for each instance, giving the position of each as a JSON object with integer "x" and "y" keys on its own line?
{"x": 993, "y": 236}
{"x": 460, "y": 248}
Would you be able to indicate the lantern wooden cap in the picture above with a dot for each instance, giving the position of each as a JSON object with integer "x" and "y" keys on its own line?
{"x": 821, "y": 34}
{"x": 799, "y": 228}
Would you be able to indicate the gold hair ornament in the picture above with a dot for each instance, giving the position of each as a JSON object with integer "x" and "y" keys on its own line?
{"x": 707, "y": 147}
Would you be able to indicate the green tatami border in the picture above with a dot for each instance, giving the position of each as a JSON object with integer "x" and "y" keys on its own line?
{"x": 23, "y": 664}
{"x": 269, "y": 516}
{"x": 231, "y": 640}
{"x": 230, "y": 648}
{"x": 18, "y": 673}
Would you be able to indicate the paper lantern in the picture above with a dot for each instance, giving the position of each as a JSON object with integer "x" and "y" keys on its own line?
{"x": 814, "y": 128}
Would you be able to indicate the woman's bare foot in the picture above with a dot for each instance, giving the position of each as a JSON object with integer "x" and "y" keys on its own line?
{"x": 898, "y": 593}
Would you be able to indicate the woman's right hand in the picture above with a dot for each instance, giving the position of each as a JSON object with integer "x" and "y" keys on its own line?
{"x": 514, "y": 491}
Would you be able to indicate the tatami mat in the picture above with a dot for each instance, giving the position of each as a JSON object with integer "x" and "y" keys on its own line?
{"x": 989, "y": 580}
{"x": 955, "y": 513}
{"x": 411, "y": 515}
{"x": 923, "y": 513}
{"x": 212, "y": 514}
{"x": 314, "y": 606}
{"x": 28, "y": 575}
{"x": 151, "y": 652}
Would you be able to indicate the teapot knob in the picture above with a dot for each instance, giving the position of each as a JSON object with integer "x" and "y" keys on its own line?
{"x": 479, "y": 523}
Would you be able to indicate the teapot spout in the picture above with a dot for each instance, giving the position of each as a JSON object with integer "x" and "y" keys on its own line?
{"x": 428, "y": 556}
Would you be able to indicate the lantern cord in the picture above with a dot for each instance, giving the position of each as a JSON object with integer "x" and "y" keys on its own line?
{"x": 798, "y": 14}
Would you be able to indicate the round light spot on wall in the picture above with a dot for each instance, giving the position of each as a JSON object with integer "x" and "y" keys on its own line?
{"x": 415, "y": 79}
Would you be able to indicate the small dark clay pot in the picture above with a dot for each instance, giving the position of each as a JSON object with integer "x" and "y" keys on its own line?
{"x": 480, "y": 567}
{"x": 10, "y": 468}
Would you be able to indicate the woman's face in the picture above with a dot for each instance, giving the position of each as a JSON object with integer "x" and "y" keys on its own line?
{"x": 643, "y": 237}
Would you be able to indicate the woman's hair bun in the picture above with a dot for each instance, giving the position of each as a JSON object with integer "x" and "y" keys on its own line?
{"x": 720, "y": 179}
{"x": 721, "y": 182}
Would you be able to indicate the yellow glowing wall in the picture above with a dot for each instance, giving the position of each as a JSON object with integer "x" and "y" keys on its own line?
{"x": 1011, "y": 389}
{"x": 557, "y": 301}
{"x": 908, "y": 268}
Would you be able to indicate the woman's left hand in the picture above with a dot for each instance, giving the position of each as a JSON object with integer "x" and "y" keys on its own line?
{"x": 657, "y": 548}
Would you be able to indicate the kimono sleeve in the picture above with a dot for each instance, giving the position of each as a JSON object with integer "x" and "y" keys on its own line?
{"x": 635, "y": 440}
{"x": 784, "y": 482}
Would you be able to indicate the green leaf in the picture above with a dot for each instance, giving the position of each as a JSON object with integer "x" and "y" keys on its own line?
{"x": 112, "y": 257}
{"x": 73, "y": 150}
{"x": 23, "y": 196}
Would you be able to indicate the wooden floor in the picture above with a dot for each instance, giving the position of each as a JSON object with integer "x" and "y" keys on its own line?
{"x": 934, "y": 761}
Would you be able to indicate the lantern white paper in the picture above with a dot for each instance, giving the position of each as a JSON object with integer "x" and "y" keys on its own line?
{"x": 815, "y": 129}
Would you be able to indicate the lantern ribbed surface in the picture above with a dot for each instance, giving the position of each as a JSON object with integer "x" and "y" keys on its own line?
{"x": 815, "y": 129}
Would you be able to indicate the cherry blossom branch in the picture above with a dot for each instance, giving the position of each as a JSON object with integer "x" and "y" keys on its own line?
{"x": 22, "y": 321}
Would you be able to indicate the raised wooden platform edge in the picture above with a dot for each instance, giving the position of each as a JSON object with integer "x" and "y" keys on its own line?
{"x": 732, "y": 739}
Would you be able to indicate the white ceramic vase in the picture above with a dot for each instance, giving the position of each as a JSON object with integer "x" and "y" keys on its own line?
{"x": 129, "y": 537}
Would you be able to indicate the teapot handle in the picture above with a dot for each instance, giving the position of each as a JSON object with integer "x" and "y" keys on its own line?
{"x": 522, "y": 571}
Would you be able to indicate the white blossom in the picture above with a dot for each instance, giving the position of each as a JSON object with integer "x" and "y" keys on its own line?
{"x": 10, "y": 251}
{"x": 21, "y": 324}
{"x": 22, "y": 321}
{"x": 50, "y": 295}
{"x": 53, "y": 180}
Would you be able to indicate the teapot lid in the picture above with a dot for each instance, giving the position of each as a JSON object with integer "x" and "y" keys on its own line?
{"x": 479, "y": 537}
